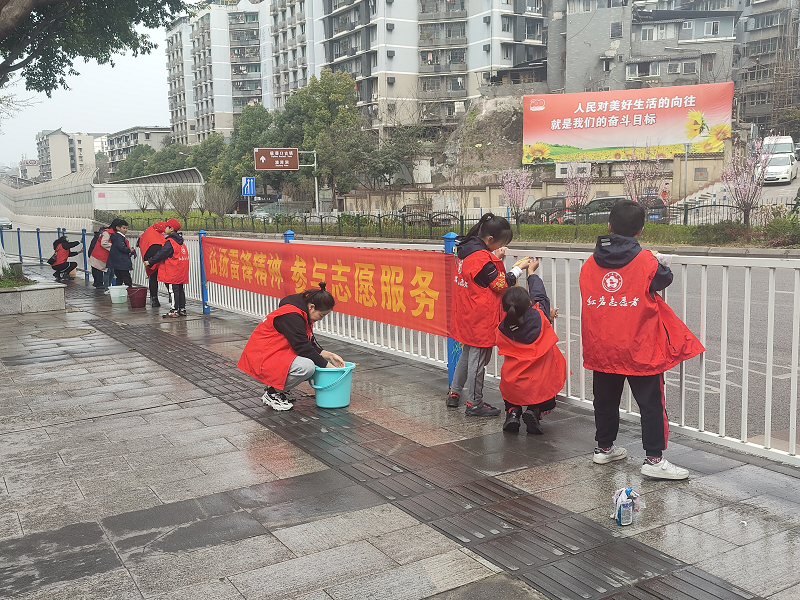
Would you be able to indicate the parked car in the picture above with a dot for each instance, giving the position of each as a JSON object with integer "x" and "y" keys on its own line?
{"x": 5, "y": 223}
{"x": 599, "y": 209}
{"x": 545, "y": 210}
{"x": 781, "y": 168}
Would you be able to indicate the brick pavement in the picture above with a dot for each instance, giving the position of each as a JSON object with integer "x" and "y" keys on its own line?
{"x": 137, "y": 462}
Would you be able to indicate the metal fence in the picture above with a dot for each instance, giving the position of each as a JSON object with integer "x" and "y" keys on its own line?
{"x": 742, "y": 393}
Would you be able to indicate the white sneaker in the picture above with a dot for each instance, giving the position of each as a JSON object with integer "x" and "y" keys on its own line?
{"x": 277, "y": 400}
{"x": 602, "y": 457}
{"x": 664, "y": 470}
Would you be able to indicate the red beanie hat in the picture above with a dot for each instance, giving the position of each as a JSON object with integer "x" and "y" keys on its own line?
{"x": 160, "y": 227}
{"x": 174, "y": 223}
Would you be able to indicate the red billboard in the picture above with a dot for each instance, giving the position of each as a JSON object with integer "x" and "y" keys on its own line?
{"x": 609, "y": 125}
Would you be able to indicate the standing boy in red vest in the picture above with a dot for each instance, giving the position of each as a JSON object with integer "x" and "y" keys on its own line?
{"x": 629, "y": 332}
{"x": 174, "y": 273}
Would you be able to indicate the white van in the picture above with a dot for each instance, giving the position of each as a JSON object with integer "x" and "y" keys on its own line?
{"x": 780, "y": 145}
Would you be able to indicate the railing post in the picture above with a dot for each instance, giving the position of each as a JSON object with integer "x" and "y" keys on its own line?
{"x": 305, "y": 223}
{"x": 380, "y": 227}
{"x": 2, "y": 241}
{"x": 685, "y": 214}
{"x": 430, "y": 226}
{"x": 203, "y": 285}
{"x": 403, "y": 219}
{"x": 288, "y": 236}
{"x": 453, "y": 347}
{"x": 19, "y": 243}
{"x": 85, "y": 256}
{"x": 358, "y": 224}
{"x": 39, "y": 242}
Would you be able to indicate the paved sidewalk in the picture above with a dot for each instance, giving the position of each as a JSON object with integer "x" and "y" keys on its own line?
{"x": 138, "y": 462}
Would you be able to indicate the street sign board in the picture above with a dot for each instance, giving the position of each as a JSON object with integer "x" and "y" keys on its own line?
{"x": 248, "y": 186}
{"x": 277, "y": 159}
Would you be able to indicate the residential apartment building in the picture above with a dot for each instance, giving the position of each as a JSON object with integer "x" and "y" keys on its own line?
{"x": 63, "y": 153}
{"x": 100, "y": 142}
{"x": 122, "y": 142}
{"x": 180, "y": 78}
{"x": 28, "y": 168}
{"x": 293, "y": 32}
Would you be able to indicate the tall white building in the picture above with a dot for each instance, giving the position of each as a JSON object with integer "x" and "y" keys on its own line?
{"x": 63, "y": 153}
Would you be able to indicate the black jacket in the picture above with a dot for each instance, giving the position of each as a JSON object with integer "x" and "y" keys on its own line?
{"x": 468, "y": 245}
{"x": 531, "y": 327}
{"x": 166, "y": 250}
{"x": 119, "y": 257}
{"x": 67, "y": 246}
{"x": 615, "y": 251}
{"x": 293, "y": 328}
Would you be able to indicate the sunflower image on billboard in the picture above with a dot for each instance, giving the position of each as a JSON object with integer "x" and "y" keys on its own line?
{"x": 626, "y": 124}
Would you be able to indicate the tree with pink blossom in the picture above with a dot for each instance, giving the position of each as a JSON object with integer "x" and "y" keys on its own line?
{"x": 578, "y": 186}
{"x": 644, "y": 179}
{"x": 743, "y": 175}
{"x": 516, "y": 185}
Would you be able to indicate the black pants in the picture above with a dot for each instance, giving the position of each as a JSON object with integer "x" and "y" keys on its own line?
{"x": 648, "y": 391}
{"x": 123, "y": 277}
{"x": 97, "y": 274}
{"x": 64, "y": 268}
{"x": 177, "y": 297}
{"x": 153, "y": 281}
{"x": 542, "y": 406}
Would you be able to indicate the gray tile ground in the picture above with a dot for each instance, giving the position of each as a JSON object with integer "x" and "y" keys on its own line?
{"x": 130, "y": 472}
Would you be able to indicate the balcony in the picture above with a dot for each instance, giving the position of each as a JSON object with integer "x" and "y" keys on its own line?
{"x": 443, "y": 68}
{"x": 441, "y": 94}
{"x": 292, "y": 20}
{"x": 302, "y": 82}
{"x": 273, "y": 29}
{"x": 243, "y": 93}
{"x": 282, "y": 3}
{"x": 293, "y": 42}
{"x": 244, "y": 59}
{"x": 302, "y": 61}
{"x": 276, "y": 90}
{"x": 283, "y": 46}
{"x": 443, "y": 41}
{"x": 273, "y": 8}
{"x": 293, "y": 85}
{"x": 250, "y": 42}
{"x": 245, "y": 75}
{"x": 292, "y": 64}
{"x": 300, "y": 17}
{"x": 284, "y": 67}
{"x": 446, "y": 15}
{"x": 285, "y": 88}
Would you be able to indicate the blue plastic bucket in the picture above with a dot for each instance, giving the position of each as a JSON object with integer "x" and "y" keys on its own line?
{"x": 332, "y": 385}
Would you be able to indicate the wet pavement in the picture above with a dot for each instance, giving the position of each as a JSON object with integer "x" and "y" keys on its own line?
{"x": 138, "y": 462}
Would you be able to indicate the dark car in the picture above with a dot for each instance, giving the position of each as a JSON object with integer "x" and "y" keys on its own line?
{"x": 599, "y": 209}
{"x": 545, "y": 210}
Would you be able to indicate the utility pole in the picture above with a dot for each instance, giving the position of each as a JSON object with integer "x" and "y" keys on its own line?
{"x": 686, "y": 146}
{"x": 316, "y": 183}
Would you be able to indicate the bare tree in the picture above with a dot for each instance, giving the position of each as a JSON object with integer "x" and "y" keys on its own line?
{"x": 201, "y": 202}
{"x": 577, "y": 187}
{"x": 142, "y": 197}
{"x": 159, "y": 199}
{"x": 182, "y": 199}
{"x": 516, "y": 184}
{"x": 219, "y": 200}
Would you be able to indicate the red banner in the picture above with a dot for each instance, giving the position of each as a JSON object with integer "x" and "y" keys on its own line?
{"x": 408, "y": 288}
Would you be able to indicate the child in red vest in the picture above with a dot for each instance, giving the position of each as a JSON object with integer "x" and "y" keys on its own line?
{"x": 479, "y": 284}
{"x": 63, "y": 251}
{"x": 174, "y": 273}
{"x": 534, "y": 370}
{"x": 629, "y": 332}
{"x": 282, "y": 352}
{"x": 150, "y": 242}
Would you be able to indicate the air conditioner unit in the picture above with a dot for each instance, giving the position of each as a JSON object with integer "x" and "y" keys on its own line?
{"x": 390, "y": 53}
{"x": 390, "y": 80}
{"x": 389, "y": 26}
{"x": 487, "y": 75}
{"x": 487, "y": 47}
{"x": 487, "y": 19}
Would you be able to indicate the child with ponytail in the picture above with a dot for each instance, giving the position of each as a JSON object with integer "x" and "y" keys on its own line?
{"x": 480, "y": 281}
{"x": 282, "y": 352}
{"x": 534, "y": 370}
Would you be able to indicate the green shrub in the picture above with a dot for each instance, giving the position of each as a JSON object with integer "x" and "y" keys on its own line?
{"x": 781, "y": 231}
{"x": 716, "y": 234}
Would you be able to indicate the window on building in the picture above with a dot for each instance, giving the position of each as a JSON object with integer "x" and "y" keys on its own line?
{"x": 712, "y": 28}
{"x": 647, "y": 34}
{"x": 688, "y": 25}
{"x": 616, "y": 30}
{"x": 707, "y": 63}
{"x": 506, "y": 23}
{"x": 508, "y": 51}
{"x": 674, "y": 68}
{"x": 689, "y": 68}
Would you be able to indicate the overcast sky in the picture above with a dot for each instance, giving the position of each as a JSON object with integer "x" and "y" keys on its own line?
{"x": 101, "y": 99}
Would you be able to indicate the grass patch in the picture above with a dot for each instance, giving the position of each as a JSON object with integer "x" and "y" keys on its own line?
{"x": 10, "y": 278}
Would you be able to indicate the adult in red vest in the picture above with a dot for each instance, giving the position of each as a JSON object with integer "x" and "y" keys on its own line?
{"x": 150, "y": 242}
{"x": 98, "y": 255}
{"x": 174, "y": 272}
{"x": 534, "y": 370}
{"x": 629, "y": 332}
{"x": 62, "y": 267}
{"x": 282, "y": 352}
{"x": 478, "y": 287}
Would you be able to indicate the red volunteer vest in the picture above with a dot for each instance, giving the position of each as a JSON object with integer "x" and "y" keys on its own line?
{"x": 476, "y": 311}
{"x": 531, "y": 373}
{"x": 99, "y": 252}
{"x": 267, "y": 356}
{"x": 175, "y": 269}
{"x": 62, "y": 254}
{"x": 150, "y": 237}
{"x": 624, "y": 329}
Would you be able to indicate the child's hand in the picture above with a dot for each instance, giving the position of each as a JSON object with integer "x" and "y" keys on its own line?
{"x": 500, "y": 252}
{"x": 147, "y": 263}
{"x": 533, "y": 265}
{"x": 655, "y": 252}
{"x": 553, "y": 313}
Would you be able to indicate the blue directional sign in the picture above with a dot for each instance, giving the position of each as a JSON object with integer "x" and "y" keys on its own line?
{"x": 248, "y": 186}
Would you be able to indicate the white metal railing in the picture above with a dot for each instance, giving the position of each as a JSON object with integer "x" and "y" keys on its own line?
{"x": 741, "y": 393}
